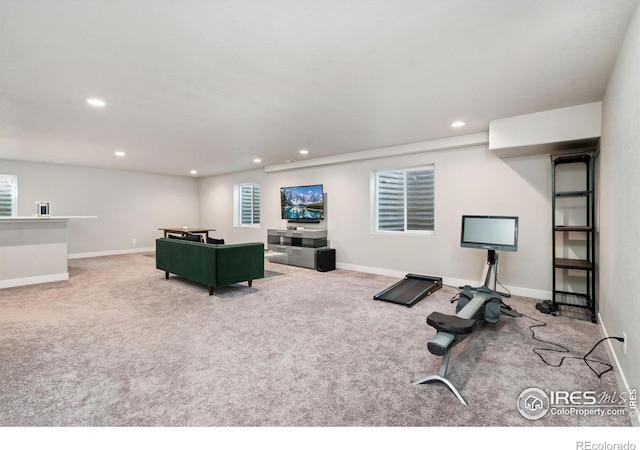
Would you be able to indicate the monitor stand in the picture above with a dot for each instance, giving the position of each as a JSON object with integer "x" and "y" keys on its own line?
{"x": 490, "y": 282}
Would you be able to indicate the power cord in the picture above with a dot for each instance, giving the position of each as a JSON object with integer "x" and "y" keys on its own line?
{"x": 563, "y": 349}
{"x": 508, "y": 293}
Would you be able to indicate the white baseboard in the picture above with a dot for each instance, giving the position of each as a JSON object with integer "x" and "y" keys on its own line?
{"x": 373, "y": 270}
{"x": 34, "y": 280}
{"x": 622, "y": 379}
{"x": 111, "y": 252}
{"x": 515, "y": 290}
{"x": 532, "y": 293}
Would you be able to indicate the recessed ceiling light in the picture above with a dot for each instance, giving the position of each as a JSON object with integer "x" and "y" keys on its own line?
{"x": 458, "y": 124}
{"x": 257, "y": 160}
{"x": 304, "y": 151}
{"x": 96, "y": 102}
{"x": 119, "y": 153}
{"x": 193, "y": 172}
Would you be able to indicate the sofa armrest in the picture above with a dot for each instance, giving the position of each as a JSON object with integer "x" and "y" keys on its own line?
{"x": 239, "y": 262}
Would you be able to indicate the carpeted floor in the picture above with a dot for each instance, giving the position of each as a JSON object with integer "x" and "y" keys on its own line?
{"x": 118, "y": 345}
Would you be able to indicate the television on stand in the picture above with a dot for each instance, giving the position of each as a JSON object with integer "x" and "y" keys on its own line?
{"x": 302, "y": 204}
{"x": 490, "y": 233}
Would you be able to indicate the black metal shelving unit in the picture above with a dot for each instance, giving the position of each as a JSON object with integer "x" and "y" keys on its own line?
{"x": 582, "y": 233}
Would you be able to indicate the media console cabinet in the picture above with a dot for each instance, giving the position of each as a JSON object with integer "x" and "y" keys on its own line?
{"x": 301, "y": 246}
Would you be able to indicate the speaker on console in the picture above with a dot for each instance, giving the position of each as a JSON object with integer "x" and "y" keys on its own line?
{"x": 326, "y": 260}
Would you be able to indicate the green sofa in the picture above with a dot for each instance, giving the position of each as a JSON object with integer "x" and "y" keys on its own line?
{"x": 210, "y": 264}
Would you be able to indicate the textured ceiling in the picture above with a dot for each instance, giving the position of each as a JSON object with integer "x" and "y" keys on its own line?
{"x": 211, "y": 85}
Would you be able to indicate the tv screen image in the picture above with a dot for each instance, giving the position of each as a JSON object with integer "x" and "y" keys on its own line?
{"x": 302, "y": 203}
{"x": 490, "y": 232}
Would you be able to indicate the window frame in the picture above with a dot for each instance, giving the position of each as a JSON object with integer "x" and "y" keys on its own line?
{"x": 238, "y": 205}
{"x": 375, "y": 214}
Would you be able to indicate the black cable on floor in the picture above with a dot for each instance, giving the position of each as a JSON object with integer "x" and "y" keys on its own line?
{"x": 563, "y": 349}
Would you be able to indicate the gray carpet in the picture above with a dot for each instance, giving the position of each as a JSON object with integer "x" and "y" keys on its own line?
{"x": 118, "y": 345}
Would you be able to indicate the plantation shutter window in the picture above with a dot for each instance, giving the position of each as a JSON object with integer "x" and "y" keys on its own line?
{"x": 420, "y": 205}
{"x": 8, "y": 195}
{"x": 391, "y": 201}
{"x": 405, "y": 200}
{"x": 249, "y": 204}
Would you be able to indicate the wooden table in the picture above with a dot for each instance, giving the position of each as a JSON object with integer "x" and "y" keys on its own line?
{"x": 183, "y": 230}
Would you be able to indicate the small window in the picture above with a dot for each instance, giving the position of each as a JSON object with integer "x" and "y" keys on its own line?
{"x": 404, "y": 200}
{"x": 247, "y": 205}
{"x": 8, "y": 195}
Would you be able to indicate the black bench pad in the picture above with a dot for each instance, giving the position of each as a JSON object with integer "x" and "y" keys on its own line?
{"x": 451, "y": 324}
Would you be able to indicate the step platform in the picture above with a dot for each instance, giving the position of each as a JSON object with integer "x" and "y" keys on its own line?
{"x": 410, "y": 290}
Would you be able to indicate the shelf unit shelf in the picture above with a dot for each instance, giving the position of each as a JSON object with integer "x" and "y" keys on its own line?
{"x": 581, "y": 228}
{"x": 583, "y": 234}
{"x": 568, "y": 263}
{"x": 573, "y": 194}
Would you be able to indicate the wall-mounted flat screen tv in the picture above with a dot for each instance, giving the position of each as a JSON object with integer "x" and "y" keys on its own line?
{"x": 302, "y": 203}
{"x": 490, "y": 232}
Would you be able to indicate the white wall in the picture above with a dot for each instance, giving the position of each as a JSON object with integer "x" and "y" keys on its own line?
{"x": 469, "y": 180}
{"x": 128, "y": 204}
{"x": 620, "y": 204}
{"x": 572, "y": 127}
